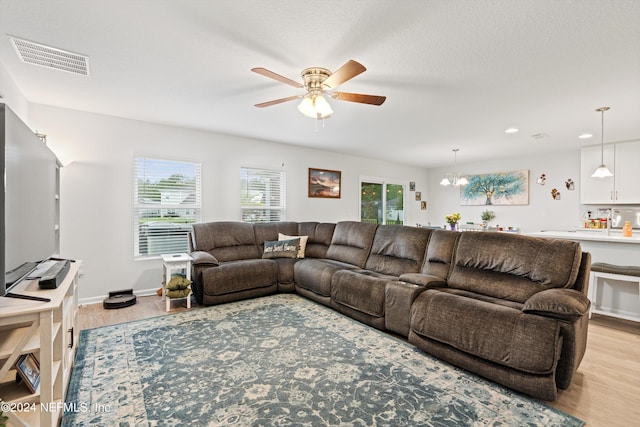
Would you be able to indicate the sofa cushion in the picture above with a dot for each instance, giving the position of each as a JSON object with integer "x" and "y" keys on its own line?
{"x": 564, "y": 304}
{"x": 268, "y": 231}
{"x": 360, "y": 290}
{"x": 238, "y": 276}
{"x": 320, "y": 235}
{"x": 351, "y": 242}
{"x": 315, "y": 274}
{"x": 281, "y": 248}
{"x": 513, "y": 267}
{"x": 440, "y": 251}
{"x": 397, "y": 249}
{"x": 205, "y": 259}
{"x": 226, "y": 240}
{"x": 503, "y": 335}
{"x": 303, "y": 242}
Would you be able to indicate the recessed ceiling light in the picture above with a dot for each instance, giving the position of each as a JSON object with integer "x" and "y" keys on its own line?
{"x": 585, "y": 136}
{"x": 512, "y": 130}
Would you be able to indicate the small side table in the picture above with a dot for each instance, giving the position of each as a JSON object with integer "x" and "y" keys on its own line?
{"x": 172, "y": 262}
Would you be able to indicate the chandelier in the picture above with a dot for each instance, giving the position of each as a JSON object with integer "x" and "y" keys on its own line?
{"x": 454, "y": 179}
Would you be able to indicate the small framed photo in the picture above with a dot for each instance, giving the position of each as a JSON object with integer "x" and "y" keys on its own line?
{"x": 418, "y": 196}
{"x": 324, "y": 183}
{"x": 29, "y": 370}
{"x": 412, "y": 186}
{"x": 423, "y": 205}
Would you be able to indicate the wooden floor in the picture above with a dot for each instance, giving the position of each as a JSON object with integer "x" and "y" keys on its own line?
{"x": 605, "y": 391}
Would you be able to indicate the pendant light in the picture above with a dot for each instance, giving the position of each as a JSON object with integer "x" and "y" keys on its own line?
{"x": 602, "y": 171}
{"x": 454, "y": 179}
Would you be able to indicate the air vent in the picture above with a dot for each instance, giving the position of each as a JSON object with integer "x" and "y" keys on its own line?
{"x": 539, "y": 136}
{"x": 51, "y": 57}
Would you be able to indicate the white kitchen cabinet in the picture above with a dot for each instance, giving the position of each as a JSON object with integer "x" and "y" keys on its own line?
{"x": 622, "y": 188}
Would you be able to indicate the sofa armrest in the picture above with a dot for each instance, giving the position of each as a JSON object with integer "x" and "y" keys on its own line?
{"x": 426, "y": 280}
{"x": 563, "y": 304}
{"x": 204, "y": 259}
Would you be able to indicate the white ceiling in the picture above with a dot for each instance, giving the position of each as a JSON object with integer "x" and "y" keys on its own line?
{"x": 456, "y": 73}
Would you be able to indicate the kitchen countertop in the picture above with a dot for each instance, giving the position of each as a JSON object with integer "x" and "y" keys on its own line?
{"x": 590, "y": 235}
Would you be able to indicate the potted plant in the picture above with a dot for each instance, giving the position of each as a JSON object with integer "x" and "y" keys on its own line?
{"x": 453, "y": 219}
{"x": 487, "y": 216}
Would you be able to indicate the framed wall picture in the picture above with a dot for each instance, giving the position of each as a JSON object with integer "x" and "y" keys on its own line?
{"x": 324, "y": 183}
{"x": 29, "y": 370}
{"x": 499, "y": 188}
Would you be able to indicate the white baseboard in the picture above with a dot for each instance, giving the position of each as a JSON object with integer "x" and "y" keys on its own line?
{"x": 98, "y": 300}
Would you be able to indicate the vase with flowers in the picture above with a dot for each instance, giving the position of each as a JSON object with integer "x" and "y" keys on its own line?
{"x": 487, "y": 216}
{"x": 452, "y": 220}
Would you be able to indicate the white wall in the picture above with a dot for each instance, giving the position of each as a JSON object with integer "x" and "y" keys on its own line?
{"x": 12, "y": 95}
{"x": 542, "y": 212}
{"x": 97, "y": 186}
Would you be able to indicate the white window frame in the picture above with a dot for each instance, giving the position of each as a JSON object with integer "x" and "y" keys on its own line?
{"x": 171, "y": 203}
{"x": 272, "y": 206}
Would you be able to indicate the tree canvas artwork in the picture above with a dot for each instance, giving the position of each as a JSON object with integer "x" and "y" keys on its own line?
{"x": 503, "y": 188}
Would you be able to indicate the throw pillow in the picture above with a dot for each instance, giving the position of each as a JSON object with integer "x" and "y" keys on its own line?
{"x": 303, "y": 242}
{"x": 281, "y": 248}
{"x": 178, "y": 282}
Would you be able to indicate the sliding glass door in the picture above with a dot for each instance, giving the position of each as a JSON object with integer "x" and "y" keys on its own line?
{"x": 381, "y": 202}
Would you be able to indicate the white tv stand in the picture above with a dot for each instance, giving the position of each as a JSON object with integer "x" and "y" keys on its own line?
{"x": 49, "y": 330}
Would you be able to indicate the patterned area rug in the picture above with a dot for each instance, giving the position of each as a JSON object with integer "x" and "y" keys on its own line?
{"x": 279, "y": 360}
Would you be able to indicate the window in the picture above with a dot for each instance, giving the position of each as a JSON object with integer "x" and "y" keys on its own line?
{"x": 166, "y": 204}
{"x": 381, "y": 202}
{"x": 262, "y": 195}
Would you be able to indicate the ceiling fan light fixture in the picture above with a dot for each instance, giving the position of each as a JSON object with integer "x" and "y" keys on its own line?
{"x": 323, "y": 108}
{"x": 315, "y": 106}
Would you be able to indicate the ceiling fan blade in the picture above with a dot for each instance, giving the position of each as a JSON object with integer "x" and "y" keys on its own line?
{"x": 343, "y": 74}
{"x": 357, "y": 97}
{"x": 275, "y": 76}
{"x": 276, "y": 101}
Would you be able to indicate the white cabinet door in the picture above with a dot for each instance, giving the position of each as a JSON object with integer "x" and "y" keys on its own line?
{"x": 627, "y": 179}
{"x": 596, "y": 190}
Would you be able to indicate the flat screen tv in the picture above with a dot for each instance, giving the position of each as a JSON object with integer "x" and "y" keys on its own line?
{"x": 29, "y": 204}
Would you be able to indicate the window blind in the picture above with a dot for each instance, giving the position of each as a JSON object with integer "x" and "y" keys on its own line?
{"x": 262, "y": 195}
{"x": 167, "y": 201}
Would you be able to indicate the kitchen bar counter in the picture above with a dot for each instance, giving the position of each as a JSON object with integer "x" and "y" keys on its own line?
{"x": 610, "y": 296}
{"x": 587, "y": 235}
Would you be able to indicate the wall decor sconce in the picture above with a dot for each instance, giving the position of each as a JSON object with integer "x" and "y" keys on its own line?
{"x": 542, "y": 179}
{"x": 555, "y": 194}
{"x": 570, "y": 184}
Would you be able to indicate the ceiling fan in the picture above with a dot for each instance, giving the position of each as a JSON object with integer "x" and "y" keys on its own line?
{"x": 318, "y": 83}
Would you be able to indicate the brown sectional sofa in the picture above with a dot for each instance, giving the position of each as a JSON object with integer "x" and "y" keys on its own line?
{"x": 508, "y": 307}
